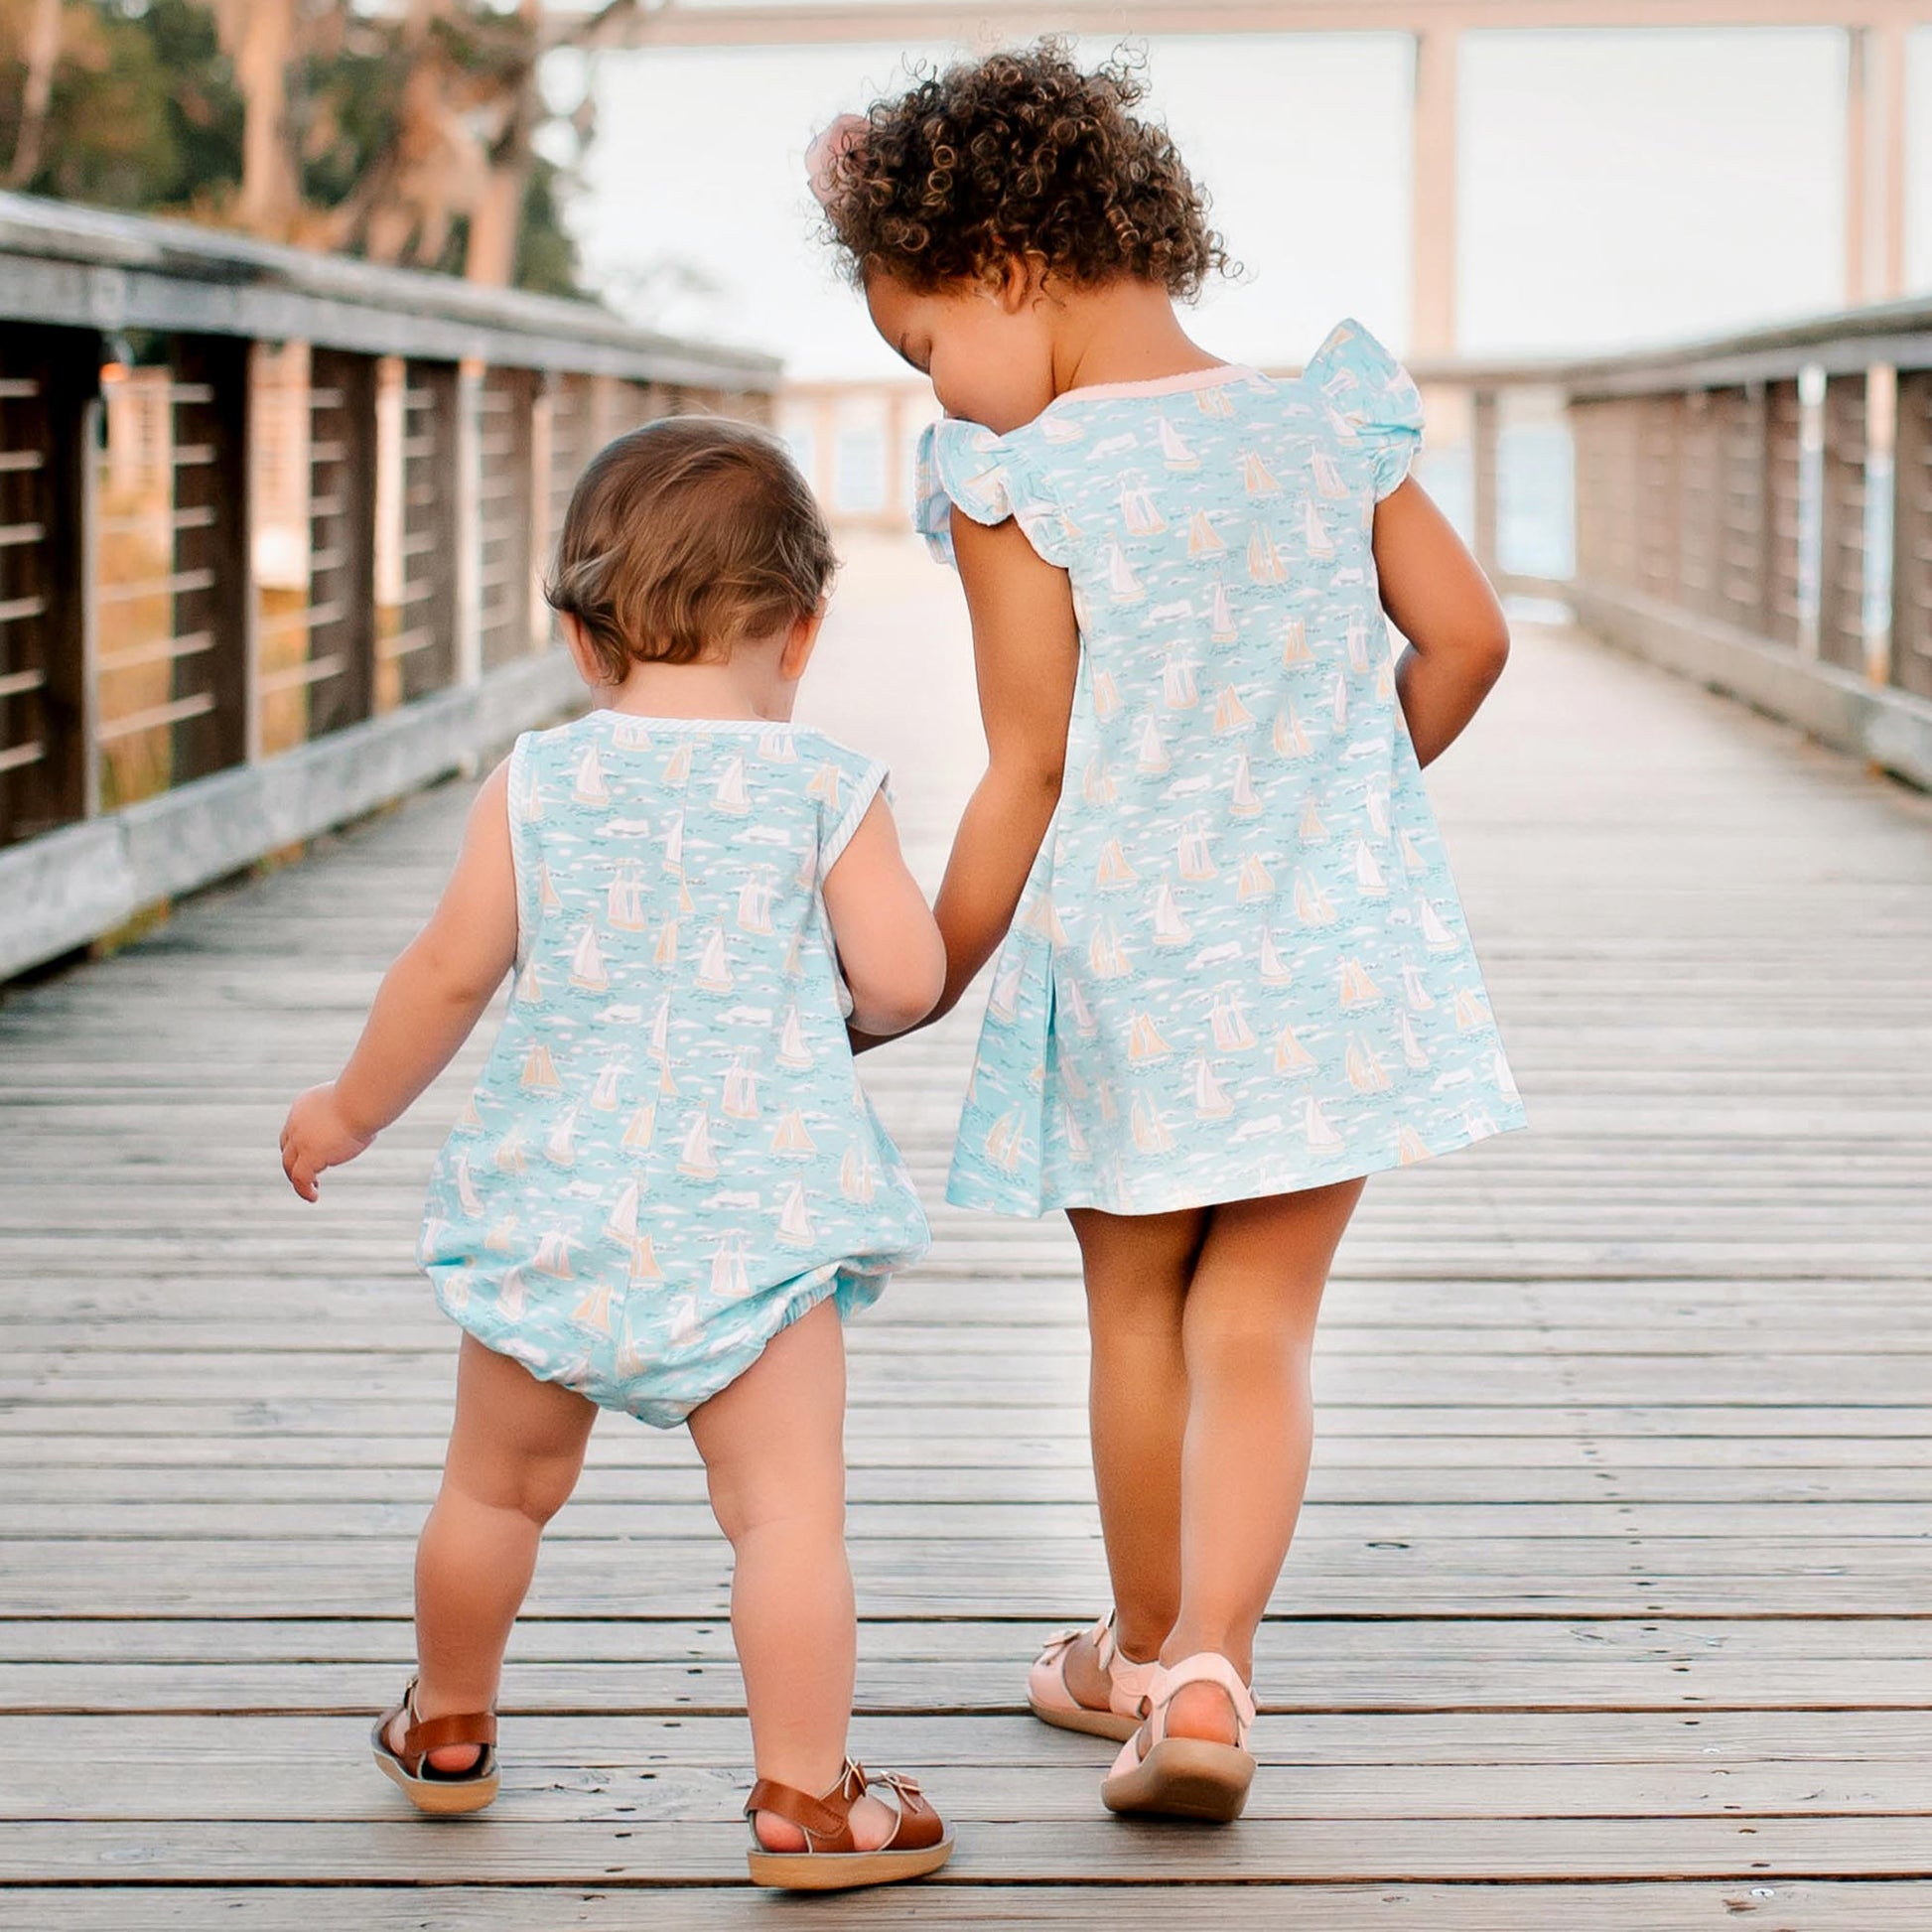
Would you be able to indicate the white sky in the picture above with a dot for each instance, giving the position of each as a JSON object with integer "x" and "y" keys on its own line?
{"x": 1615, "y": 188}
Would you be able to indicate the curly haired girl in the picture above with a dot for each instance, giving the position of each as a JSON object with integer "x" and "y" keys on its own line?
{"x": 1232, "y": 976}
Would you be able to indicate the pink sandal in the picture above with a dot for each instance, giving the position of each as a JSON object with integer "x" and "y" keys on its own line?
{"x": 1054, "y": 1704}
{"x": 1185, "y": 1777}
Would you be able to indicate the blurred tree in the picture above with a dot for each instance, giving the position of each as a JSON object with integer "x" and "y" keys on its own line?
{"x": 418, "y": 132}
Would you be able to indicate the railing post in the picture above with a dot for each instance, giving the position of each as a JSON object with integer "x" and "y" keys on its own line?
{"x": 1660, "y": 465}
{"x": 1782, "y": 616}
{"x": 893, "y": 488}
{"x": 1742, "y": 565}
{"x": 211, "y": 374}
{"x": 1432, "y": 194}
{"x": 1485, "y": 478}
{"x": 341, "y": 528}
{"x": 506, "y": 498}
{"x": 424, "y": 652}
{"x": 1880, "y": 485}
{"x": 1911, "y": 548}
{"x": 48, "y": 387}
{"x": 825, "y": 454}
{"x": 543, "y": 439}
{"x": 466, "y": 485}
{"x": 1840, "y": 533}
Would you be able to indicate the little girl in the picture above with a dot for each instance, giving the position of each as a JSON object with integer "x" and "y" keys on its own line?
{"x": 1235, "y": 978}
{"x": 667, "y": 1189}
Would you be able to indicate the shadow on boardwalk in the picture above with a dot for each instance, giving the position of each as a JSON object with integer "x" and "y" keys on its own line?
{"x": 1614, "y": 1576}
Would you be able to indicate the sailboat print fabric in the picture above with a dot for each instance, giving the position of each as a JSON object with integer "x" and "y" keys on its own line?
{"x": 1240, "y": 966}
{"x": 669, "y": 1156}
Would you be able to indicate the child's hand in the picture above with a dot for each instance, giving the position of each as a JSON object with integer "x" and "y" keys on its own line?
{"x": 316, "y": 1137}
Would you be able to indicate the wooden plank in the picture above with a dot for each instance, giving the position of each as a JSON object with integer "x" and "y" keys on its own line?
{"x": 312, "y": 1769}
{"x": 1886, "y": 1906}
{"x": 1053, "y": 1582}
{"x": 1422, "y": 1480}
{"x": 1435, "y": 1676}
{"x": 1831, "y": 1519}
{"x": 1450, "y": 1740}
{"x": 1613, "y": 1565}
{"x": 1299, "y": 1642}
{"x": 1019, "y": 1851}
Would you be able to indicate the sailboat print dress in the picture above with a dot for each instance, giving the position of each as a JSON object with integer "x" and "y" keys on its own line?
{"x": 1239, "y": 966}
{"x": 668, "y": 1156}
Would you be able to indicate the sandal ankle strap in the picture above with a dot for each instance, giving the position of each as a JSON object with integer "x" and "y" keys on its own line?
{"x": 826, "y": 1821}
{"x": 420, "y": 1735}
{"x": 1203, "y": 1667}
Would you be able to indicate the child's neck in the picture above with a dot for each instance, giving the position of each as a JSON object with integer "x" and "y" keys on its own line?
{"x": 1122, "y": 332}
{"x": 743, "y": 686}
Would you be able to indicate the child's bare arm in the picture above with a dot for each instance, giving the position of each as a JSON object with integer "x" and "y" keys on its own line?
{"x": 1459, "y": 640}
{"x": 428, "y": 1002}
{"x": 888, "y": 946}
{"x": 1027, "y": 654}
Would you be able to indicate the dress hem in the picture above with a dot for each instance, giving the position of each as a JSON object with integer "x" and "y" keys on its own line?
{"x": 1174, "y": 1198}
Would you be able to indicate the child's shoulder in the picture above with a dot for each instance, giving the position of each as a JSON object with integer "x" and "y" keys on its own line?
{"x": 1190, "y": 432}
{"x": 613, "y": 747}
{"x": 1351, "y": 381}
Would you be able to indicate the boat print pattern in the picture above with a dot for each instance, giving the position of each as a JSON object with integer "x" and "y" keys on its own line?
{"x": 668, "y": 1156}
{"x": 1240, "y": 966}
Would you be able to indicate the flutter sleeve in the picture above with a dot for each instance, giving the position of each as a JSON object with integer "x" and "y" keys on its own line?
{"x": 991, "y": 477}
{"x": 1373, "y": 405}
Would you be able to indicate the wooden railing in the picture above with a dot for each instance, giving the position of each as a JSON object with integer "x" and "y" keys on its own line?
{"x": 1756, "y": 513}
{"x": 270, "y": 529}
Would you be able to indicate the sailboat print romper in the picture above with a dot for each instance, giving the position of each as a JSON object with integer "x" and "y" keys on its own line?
{"x": 668, "y": 1156}
{"x": 1239, "y": 966}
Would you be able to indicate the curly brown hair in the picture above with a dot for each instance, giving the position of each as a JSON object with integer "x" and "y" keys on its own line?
{"x": 1020, "y": 155}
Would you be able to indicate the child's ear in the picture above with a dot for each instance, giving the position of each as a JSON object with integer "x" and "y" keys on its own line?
{"x": 800, "y": 642}
{"x": 1018, "y": 283}
{"x": 578, "y": 640}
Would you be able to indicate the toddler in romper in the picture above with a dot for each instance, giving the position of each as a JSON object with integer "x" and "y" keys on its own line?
{"x": 667, "y": 1187}
{"x": 1230, "y": 975}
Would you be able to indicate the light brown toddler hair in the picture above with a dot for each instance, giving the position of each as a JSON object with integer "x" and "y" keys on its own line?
{"x": 684, "y": 538}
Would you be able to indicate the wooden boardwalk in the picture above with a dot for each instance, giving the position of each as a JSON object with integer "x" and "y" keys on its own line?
{"x": 1610, "y": 1608}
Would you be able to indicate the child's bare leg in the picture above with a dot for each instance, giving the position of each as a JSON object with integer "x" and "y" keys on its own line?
{"x": 516, "y": 1450}
{"x": 1249, "y": 1330}
{"x": 1137, "y": 1268}
{"x": 774, "y": 1445}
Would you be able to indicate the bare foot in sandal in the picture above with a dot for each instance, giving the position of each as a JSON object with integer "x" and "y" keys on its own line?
{"x": 452, "y": 1760}
{"x": 1204, "y": 1710}
{"x": 843, "y": 1838}
{"x": 444, "y": 1764}
{"x": 1082, "y": 1680}
{"x": 1178, "y": 1774}
{"x": 871, "y": 1825}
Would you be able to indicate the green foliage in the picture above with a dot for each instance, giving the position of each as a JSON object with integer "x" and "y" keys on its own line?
{"x": 546, "y": 251}
{"x": 345, "y": 107}
{"x": 145, "y": 115}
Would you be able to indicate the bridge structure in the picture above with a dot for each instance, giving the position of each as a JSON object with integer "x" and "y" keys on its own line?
{"x": 1608, "y": 1606}
{"x": 1875, "y": 173}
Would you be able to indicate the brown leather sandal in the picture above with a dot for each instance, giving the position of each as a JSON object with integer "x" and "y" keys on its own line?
{"x": 831, "y": 1860}
{"x": 427, "y": 1788}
